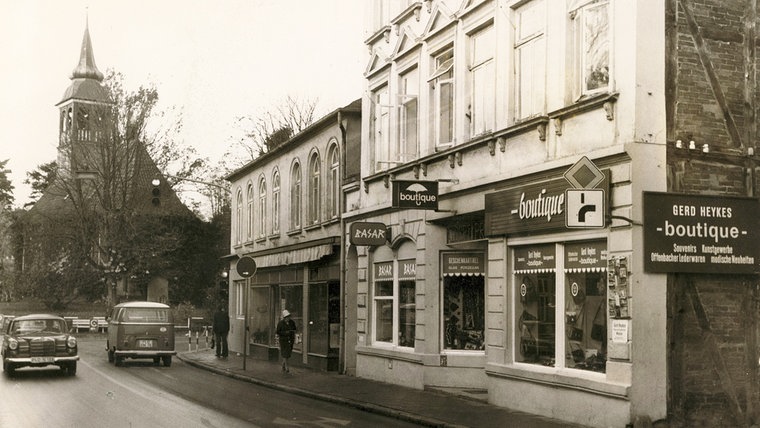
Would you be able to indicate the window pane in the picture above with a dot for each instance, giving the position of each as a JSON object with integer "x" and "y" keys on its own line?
{"x": 318, "y": 319}
{"x": 384, "y": 320}
{"x": 535, "y": 318}
{"x": 464, "y": 312}
{"x": 291, "y": 298}
{"x": 586, "y": 321}
{"x": 445, "y": 117}
{"x": 406, "y": 313}
{"x": 595, "y": 44}
{"x": 259, "y": 314}
{"x": 383, "y": 288}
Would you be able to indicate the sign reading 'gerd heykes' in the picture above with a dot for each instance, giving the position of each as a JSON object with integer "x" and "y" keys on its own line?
{"x": 702, "y": 234}
{"x": 421, "y": 195}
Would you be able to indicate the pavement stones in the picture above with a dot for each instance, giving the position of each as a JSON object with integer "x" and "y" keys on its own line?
{"x": 430, "y": 408}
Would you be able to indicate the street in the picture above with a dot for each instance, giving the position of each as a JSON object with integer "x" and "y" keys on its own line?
{"x": 141, "y": 394}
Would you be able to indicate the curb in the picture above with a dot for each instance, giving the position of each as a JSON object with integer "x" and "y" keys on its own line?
{"x": 368, "y": 407}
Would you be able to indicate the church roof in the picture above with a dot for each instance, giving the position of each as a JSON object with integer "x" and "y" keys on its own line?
{"x": 86, "y": 78}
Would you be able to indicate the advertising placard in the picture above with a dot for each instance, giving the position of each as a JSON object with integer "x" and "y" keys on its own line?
{"x": 368, "y": 233}
{"x": 700, "y": 234}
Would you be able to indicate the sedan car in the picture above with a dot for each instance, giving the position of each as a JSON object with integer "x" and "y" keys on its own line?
{"x": 39, "y": 340}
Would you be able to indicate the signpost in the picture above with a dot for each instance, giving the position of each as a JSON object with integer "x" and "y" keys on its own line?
{"x": 585, "y": 203}
{"x": 246, "y": 268}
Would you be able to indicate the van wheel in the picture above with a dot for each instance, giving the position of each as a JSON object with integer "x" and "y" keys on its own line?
{"x": 110, "y": 355}
{"x": 156, "y": 360}
{"x": 118, "y": 361}
{"x": 167, "y": 360}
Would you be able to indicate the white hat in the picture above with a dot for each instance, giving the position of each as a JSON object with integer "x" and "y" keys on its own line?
{"x": 285, "y": 313}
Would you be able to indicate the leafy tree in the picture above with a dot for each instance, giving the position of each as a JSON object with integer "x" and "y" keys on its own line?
{"x": 6, "y": 188}
{"x": 40, "y": 179}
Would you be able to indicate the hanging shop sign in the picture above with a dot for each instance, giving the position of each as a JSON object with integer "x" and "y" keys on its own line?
{"x": 538, "y": 207}
{"x": 458, "y": 264}
{"x": 586, "y": 256}
{"x": 535, "y": 259}
{"x": 421, "y": 195}
{"x": 700, "y": 234}
{"x": 368, "y": 233}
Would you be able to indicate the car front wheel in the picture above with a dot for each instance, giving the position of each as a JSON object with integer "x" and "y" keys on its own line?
{"x": 9, "y": 368}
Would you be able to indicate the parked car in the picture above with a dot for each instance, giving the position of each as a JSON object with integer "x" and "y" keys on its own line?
{"x": 39, "y": 340}
{"x": 141, "y": 330}
{"x": 4, "y": 321}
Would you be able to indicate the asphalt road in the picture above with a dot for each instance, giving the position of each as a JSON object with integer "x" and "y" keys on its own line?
{"x": 142, "y": 394}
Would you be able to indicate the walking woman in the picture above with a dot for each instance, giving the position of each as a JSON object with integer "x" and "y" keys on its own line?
{"x": 286, "y": 332}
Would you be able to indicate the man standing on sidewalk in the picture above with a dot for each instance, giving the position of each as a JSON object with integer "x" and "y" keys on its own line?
{"x": 221, "y": 328}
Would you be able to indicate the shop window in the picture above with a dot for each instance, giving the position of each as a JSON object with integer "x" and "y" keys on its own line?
{"x": 260, "y": 315}
{"x": 291, "y": 298}
{"x": 463, "y": 301}
{"x": 324, "y": 318}
{"x": 394, "y": 302}
{"x": 539, "y": 295}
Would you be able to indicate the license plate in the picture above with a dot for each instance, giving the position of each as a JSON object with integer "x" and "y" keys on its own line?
{"x": 144, "y": 343}
{"x": 42, "y": 359}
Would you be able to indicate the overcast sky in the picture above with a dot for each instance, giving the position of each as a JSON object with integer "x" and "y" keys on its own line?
{"x": 216, "y": 60}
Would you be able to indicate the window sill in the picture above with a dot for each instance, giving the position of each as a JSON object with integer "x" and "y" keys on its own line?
{"x": 274, "y": 237}
{"x": 261, "y": 239}
{"x": 312, "y": 227}
{"x": 294, "y": 232}
{"x": 564, "y": 378}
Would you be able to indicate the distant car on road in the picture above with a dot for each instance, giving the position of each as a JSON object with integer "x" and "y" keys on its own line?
{"x": 38, "y": 340}
{"x": 141, "y": 330}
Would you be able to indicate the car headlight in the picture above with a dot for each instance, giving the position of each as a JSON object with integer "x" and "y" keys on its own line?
{"x": 71, "y": 342}
{"x": 12, "y": 344}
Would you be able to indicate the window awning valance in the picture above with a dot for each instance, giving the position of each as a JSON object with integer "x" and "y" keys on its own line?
{"x": 301, "y": 255}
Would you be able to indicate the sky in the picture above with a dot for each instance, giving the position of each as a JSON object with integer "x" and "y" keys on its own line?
{"x": 214, "y": 60}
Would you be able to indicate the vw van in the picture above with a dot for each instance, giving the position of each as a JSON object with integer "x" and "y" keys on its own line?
{"x": 141, "y": 330}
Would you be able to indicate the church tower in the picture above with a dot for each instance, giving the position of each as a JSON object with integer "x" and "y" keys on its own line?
{"x": 83, "y": 112}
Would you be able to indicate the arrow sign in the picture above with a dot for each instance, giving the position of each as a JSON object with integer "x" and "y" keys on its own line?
{"x": 246, "y": 267}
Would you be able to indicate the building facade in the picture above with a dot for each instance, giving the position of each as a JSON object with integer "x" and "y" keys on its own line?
{"x": 286, "y": 215}
{"x": 532, "y": 128}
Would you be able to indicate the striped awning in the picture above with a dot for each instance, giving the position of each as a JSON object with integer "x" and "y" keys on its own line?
{"x": 586, "y": 269}
{"x": 301, "y": 255}
{"x": 532, "y": 271}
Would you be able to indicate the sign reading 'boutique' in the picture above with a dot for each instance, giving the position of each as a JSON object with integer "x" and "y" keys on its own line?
{"x": 421, "y": 195}
{"x": 703, "y": 234}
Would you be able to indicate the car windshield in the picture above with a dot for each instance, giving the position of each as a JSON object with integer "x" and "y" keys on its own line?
{"x": 38, "y": 326}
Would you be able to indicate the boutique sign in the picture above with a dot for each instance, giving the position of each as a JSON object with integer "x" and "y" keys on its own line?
{"x": 421, "y": 195}
{"x": 701, "y": 234}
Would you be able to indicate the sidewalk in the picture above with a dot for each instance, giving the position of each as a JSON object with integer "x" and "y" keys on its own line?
{"x": 427, "y": 408}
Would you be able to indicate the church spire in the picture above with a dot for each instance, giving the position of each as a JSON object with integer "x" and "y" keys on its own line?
{"x": 86, "y": 69}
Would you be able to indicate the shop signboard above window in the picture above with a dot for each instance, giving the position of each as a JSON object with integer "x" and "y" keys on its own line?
{"x": 457, "y": 264}
{"x": 421, "y": 195}
{"x": 700, "y": 234}
{"x": 586, "y": 256}
{"x": 535, "y": 259}
{"x": 535, "y": 207}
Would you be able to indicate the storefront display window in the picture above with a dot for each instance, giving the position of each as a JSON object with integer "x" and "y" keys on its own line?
{"x": 583, "y": 317}
{"x": 394, "y": 298}
{"x": 291, "y": 298}
{"x": 318, "y": 319}
{"x": 260, "y": 324}
{"x": 463, "y": 301}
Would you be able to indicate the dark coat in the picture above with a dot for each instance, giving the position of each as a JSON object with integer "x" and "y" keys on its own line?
{"x": 221, "y": 322}
{"x": 286, "y": 333}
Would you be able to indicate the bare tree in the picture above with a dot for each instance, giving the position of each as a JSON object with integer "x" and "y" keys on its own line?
{"x": 265, "y": 131}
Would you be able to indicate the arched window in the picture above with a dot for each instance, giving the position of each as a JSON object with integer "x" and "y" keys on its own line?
{"x": 314, "y": 194}
{"x": 295, "y": 197}
{"x": 249, "y": 223}
{"x": 262, "y": 207}
{"x": 239, "y": 217}
{"x": 276, "y": 202}
{"x": 333, "y": 184}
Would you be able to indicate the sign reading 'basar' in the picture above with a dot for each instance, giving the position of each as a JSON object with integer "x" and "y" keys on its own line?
{"x": 421, "y": 195}
{"x": 702, "y": 234}
{"x": 368, "y": 233}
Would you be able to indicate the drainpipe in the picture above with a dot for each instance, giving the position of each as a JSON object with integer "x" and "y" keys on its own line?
{"x": 341, "y": 204}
